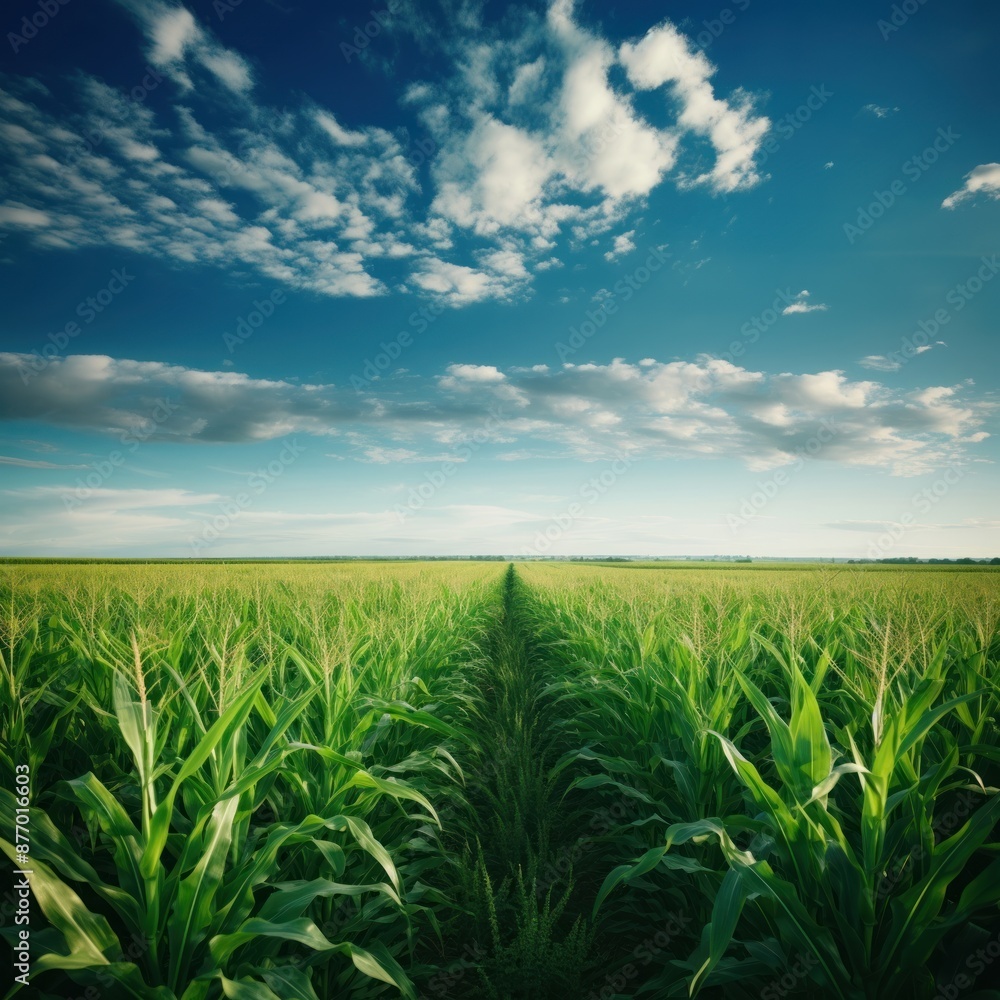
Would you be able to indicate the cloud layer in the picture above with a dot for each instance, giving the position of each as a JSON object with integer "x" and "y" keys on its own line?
{"x": 707, "y": 408}
{"x": 533, "y": 137}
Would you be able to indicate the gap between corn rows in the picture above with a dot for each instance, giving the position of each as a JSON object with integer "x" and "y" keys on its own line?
{"x": 523, "y": 848}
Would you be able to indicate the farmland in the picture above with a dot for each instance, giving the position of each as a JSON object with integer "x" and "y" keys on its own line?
{"x": 461, "y": 780}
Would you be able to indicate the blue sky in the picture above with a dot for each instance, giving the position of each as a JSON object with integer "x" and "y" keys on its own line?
{"x": 286, "y": 279}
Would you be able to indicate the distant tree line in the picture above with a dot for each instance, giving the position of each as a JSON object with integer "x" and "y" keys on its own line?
{"x": 913, "y": 560}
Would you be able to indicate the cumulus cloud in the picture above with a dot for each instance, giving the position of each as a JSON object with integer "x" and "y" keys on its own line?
{"x": 801, "y": 304}
{"x": 705, "y": 409}
{"x": 301, "y": 196}
{"x": 621, "y": 245}
{"x": 984, "y": 180}
{"x": 665, "y": 57}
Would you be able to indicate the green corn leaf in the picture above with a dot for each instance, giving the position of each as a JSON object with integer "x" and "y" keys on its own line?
{"x": 192, "y": 916}
{"x": 88, "y": 935}
{"x": 719, "y": 934}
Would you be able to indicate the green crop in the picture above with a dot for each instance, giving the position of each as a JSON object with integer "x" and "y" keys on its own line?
{"x": 357, "y": 780}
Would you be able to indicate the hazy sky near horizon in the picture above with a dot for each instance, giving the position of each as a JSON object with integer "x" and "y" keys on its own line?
{"x": 453, "y": 277}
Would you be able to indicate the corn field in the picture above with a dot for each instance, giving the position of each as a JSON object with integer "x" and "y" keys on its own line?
{"x": 359, "y": 780}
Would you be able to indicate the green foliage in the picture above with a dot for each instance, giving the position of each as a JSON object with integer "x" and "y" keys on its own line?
{"x": 364, "y": 780}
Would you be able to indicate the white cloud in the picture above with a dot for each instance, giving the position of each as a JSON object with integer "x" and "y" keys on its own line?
{"x": 666, "y": 57}
{"x": 20, "y": 217}
{"x": 880, "y": 362}
{"x": 236, "y": 198}
{"x": 476, "y": 373}
{"x": 458, "y": 285}
{"x": 878, "y": 111}
{"x": 985, "y": 180}
{"x": 177, "y": 43}
{"x": 623, "y": 244}
{"x": 534, "y": 136}
{"x": 32, "y": 463}
{"x": 893, "y": 362}
{"x": 803, "y": 305}
{"x": 705, "y": 409}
